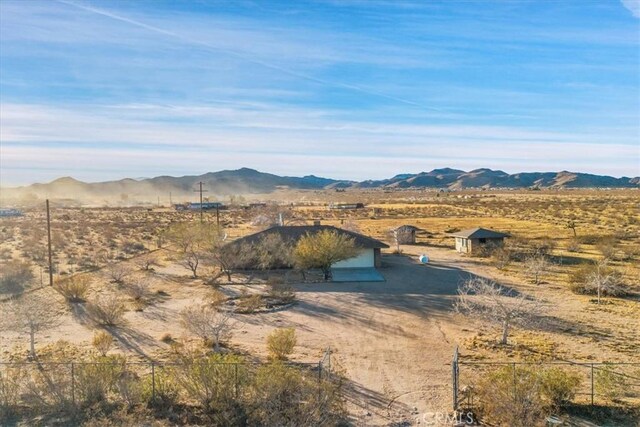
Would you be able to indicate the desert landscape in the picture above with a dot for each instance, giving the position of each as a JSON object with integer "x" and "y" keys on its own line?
{"x": 393, "y": 341}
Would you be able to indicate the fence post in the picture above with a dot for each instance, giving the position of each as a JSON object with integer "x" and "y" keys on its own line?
{"x": 319, "y": 371}
{"x": 73, "y": 384}
{"x": 454, "y": 378}
{"x": 592, "y": 384}
{"x": 515, "y": 382}
{"x": 153, "y": 382}
{"x": 236, "y": 379}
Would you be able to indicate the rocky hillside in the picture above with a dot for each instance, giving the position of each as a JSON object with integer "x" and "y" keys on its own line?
{"x": 250, "y": 181}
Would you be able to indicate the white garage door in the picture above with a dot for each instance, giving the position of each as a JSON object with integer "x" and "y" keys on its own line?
{"x": 364, "y": 259}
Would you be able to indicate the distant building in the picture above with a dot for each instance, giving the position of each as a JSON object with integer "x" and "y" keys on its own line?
{"x": 346, "y": 206}
{"x": 473, "y": 239}
{"x": 10, "y": 212}
{"x": 195, "y": 206}
{"x": 405, "y": 234}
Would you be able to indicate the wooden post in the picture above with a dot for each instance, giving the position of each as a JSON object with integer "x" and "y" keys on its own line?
{"x": 592, "y": 384}
{"x": 153, "y": 382}
{"x": 73, "y": 383}
{"x": 49, "y": 245}
{"x": 236, "y": 379}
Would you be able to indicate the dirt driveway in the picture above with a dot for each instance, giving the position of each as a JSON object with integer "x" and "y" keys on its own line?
{"x": 392, "y": 339}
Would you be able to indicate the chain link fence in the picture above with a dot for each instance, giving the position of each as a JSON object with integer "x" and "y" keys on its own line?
{"x": 592, "y": 383}
{"x": 41, "y": 385}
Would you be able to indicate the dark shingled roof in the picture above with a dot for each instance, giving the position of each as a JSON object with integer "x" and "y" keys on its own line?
{"x": 479, "y": 233}
{"x": 295, "y": 232}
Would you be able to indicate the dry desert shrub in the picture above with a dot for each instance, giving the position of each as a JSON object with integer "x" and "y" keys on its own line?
{"x": 74, "y": 288}
{"x": 138, "y": 290}
{"x": 102, "y": 342}
{"x": 208, "y": 323}
{"x": 282, "y": 292}
{"x": 280, "y": 392}
{"x": 598, "y": 279}
{"x": 15, "y": 276}
{"x": 523, "y": 395}
{"x": 281, "y": 342}
{"x": 107, "y": 310}
{"x": 248, "y": 304}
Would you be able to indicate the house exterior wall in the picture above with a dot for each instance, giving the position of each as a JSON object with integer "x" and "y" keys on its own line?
{"x": 463, "y": 245}
{"x": 377, "y": 257}
{"x": 466, "y": 246}
{"x": 364, "y": 259}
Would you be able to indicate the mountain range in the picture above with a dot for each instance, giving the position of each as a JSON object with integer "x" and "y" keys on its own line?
{"x": 250, "y": 181}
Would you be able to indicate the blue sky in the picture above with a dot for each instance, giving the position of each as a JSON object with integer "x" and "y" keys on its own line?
{"x": 347, "y": 89}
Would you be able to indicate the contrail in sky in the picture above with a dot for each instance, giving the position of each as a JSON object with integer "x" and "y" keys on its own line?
{"x": 242, "y": 56}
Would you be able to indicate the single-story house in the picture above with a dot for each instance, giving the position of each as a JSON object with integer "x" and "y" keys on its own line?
{"x": 473, "y": 239}
{"x": 369, "y": 248}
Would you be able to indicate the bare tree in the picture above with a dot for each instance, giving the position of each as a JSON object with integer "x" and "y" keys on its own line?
{"x": 537, "y": 265}
{"x": 194, "y": 243}
{"x": 571, "y": 224}
{"x": 208, "y": 323}
{"x": 604, "y": 280}
{"x": 146, "y": 262}
{"x": 486, "y": 299}
{"x": 31, "y": 314}
{"x": 118, "y": 271}
{"x": 232, "y": 257}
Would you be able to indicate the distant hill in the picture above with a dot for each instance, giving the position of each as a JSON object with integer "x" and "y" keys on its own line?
{"x": 250, "y": 181}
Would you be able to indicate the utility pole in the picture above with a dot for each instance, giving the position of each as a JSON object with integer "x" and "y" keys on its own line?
{"x": 49, "y": 245}
{"x": 201, "y": 207}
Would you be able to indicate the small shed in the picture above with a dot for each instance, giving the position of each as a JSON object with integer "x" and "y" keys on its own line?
{"x": 474, "y": 239}
{"x": 405, "y": 234}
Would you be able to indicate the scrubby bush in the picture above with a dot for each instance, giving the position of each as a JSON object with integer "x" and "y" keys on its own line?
{"x": 161, "y": 391}
{"x": 501, "y": 257}
{"x": 102, "y": 342}
{"x": 107, "y": 310}
{"x": 523, "y": 395}
{"x": 216, "y": 298}
{"x": 10, "y": 379}
{"x": 591, "y": 279}
{"x": 511, "y": 396}
{"x": 282, "y": 292}
{"x": 207, "y": 322}
{"x": 284, "y": 395}
{"x": 250, "y": 304}
{"x": 558, "y": 386}
{"x": 573, "y": 245}
{"x": 138, "y": 290}
{"x": 15, "y": 276}
{"x": 95, "y": 379}
{"x": 209, "y": 380}
{"x": 74, "y": 288}
{"x": 609, "y": 383}
{"x": 281, "y": 342}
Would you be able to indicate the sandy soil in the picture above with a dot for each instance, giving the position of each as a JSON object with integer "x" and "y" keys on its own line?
{"x": 393, "y": 340}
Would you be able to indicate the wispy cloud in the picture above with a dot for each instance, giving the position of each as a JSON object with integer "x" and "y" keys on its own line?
{"x": 633, "y": 6}
{"x": 402, "y": 86}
